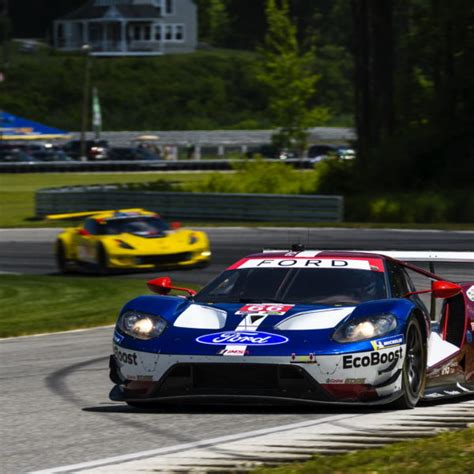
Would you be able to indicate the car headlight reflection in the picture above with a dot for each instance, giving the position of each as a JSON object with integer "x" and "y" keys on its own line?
{"x": 362, "y": 329}
{"x": 141, "y": 325}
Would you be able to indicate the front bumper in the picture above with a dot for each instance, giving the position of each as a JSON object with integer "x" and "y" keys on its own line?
{"x": 150, "y": 261}
{"x": 146, "y": 377}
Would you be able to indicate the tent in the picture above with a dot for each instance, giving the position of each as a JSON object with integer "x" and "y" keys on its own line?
{"x": 17, "y": 128}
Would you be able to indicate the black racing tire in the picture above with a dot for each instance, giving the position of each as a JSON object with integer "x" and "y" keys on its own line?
{"x": 102, "y": 261}
{"x": 414, "y": 367}
{"x": 61, "y": 260}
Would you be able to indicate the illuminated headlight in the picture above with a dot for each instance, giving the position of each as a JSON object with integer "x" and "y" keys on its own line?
{"x": 362, "y": 329}
{"x": 141, "y": 325}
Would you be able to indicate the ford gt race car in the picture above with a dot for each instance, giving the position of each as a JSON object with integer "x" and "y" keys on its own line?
{"x": 128, "y": 239}
{"x": 301, "y": 326}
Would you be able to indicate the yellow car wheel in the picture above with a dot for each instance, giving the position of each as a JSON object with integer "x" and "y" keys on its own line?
{"x": 61, "y": 260}
{"x": 102, "y": 261}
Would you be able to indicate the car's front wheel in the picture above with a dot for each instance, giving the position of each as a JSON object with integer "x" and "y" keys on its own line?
{"x": 414, "y": 367}
{"x": 61, "y": 260}
{"x": 102, "y": 261}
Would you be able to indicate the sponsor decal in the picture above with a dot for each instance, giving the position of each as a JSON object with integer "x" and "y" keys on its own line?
{"x": 452, "y": 392}
{"x": 303, "y": 359}
{"x": 235, "y": 351}
{"x": 448, "y": 370}
{"x": 334, "y": 381}
{"x": 129, "y": 358}
{"x": 387, "y": 342}
{"x": 354, "y": 381}
{"x": 118, "y": 338}
{"x": 246, "y": 338}
{"x": 470, "y": 293}
{"x": 351, "y": 361}
{"x": 306, "y": 263}
{"x": 265, "y": 309}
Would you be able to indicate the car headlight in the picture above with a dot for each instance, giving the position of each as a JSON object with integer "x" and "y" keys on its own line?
{"x": 141, "y": 325}
{"x": 361, "y": 329}
{"x": 192, "y": 239}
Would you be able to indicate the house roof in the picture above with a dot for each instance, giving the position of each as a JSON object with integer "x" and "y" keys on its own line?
{"x": 90, "y": 11}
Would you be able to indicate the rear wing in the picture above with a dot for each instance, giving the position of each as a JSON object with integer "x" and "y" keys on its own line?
{"x": 76, "y": 215}
{"x": 425, "y": 256}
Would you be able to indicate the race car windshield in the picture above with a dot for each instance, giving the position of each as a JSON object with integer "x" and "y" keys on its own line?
{"x": 296, "y": 285}
{"x": 141, "y": 226}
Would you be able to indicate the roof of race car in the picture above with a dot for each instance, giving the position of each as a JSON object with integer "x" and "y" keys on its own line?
{"x": 105, "y": 214}
{"x": 315, "y": 253}
{"x": 312, "y": 259}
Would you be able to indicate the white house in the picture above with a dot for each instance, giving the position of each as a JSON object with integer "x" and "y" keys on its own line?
{"x": 129, "y": 27}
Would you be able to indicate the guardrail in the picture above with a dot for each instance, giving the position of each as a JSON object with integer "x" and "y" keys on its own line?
{"x": 193, "y": 206}
{"x": 159, "y": 165}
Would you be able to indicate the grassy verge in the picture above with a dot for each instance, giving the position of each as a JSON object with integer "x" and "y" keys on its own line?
{"x": 38, "y": 304}
{"x": 17, "y": 191}
{"x": 449, "y": 452}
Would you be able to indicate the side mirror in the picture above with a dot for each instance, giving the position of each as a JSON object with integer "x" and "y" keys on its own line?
{"x": 440, "y": 289}
{"x": 175, "y": 225}
{"x": 445, "y": 289}
{"x": 83, "y": 232}
{"x": 164, "y": 285}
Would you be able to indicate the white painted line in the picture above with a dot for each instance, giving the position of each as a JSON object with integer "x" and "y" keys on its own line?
{"x": 187, "y": 446}
{"x": 55, "y": 333}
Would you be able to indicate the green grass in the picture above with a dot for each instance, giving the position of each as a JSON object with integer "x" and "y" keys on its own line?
{"x": 451, "y": 453}
{"x": 39, "y": 304}
{"x": 17, "y": 191}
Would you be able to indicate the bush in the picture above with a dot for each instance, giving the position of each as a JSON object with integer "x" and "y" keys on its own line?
{"x": 261, "y": 177}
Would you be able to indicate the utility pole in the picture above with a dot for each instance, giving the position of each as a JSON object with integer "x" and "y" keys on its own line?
{"x": 85, "y": 99}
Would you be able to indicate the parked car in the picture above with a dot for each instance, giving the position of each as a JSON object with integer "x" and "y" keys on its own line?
{"x": 51, "y": 155}
{"x": 321, "y": 152}
{"x": 273, "y": 152}
{"x": 131, "y": 154}
{"x": 17, "y": 156}
{"x": 95, "y": 149}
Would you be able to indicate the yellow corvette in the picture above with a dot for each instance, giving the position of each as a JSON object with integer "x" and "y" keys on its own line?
{"x": 128, "y": 239}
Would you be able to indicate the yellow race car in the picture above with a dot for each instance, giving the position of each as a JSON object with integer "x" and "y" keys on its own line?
{"x": 128, "y": 239}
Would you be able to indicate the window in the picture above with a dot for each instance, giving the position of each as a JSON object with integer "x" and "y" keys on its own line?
{"x": 158, "y": 32}
{"x": 169, "y": 7}
{"x": 179, "y": 32}
{"x": 147, "y": 34}
{"x": 398, "y": 281}
{"x": 173, "y": 33}
{"x": 91, "y": 226}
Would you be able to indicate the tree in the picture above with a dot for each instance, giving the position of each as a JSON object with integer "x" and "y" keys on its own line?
{"x": 290, "y": 79}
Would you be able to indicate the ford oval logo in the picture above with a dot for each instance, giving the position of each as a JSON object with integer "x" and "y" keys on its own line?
{"x": 244, "y": 338}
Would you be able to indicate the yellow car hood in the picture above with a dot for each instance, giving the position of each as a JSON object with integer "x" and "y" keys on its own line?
{"x": 172, "y": 241}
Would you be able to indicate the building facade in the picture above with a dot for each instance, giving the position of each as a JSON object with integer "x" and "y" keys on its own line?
{"x": 129, "y": 27}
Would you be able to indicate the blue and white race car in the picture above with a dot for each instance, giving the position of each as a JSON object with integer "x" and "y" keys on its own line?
{"x": 301, "y": 326}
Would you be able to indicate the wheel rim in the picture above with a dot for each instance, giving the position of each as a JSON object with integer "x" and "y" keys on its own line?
{"x": 414, "y": 359}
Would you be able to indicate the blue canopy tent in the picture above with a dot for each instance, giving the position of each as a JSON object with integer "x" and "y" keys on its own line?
{"x": 17, "y": 128}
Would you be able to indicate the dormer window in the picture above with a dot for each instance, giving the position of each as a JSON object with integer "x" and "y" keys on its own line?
{"x": 169, "y": 7}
